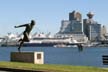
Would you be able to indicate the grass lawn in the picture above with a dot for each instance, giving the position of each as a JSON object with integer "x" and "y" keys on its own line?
{"x": 50, "y": 67}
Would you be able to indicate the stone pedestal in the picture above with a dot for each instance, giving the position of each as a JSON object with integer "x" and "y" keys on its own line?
{"x": 28, "y": 57}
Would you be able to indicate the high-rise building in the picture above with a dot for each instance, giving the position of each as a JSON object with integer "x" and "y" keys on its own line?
{"x": 91, "y": 28}
{"x": 103, "y": 32}
{"x": 94, "y": 32}
{"x": 75, "y": 16}
{"x": 72, "y": 27}
{"x": 76, "y": 27}
{"x": 65, "y": 26}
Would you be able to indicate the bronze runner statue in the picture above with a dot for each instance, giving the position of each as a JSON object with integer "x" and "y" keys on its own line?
{"x": 28, "y": 28}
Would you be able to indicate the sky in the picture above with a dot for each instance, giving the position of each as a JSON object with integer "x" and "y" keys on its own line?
{"x": 47, "y": 13}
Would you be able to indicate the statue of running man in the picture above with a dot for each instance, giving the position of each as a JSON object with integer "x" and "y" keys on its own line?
{"x": 28, "y": 28}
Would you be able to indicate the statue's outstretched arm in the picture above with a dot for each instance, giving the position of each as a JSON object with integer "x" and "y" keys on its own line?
{"x": 24, "y": 25}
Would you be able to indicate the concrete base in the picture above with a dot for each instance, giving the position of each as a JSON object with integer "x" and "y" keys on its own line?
{"x": 29, "y": 57}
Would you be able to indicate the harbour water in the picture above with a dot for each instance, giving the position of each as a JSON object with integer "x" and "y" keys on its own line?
{"x": 67, "y": 56}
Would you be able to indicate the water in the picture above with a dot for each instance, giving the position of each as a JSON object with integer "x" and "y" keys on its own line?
{"x": 67, "y": 56}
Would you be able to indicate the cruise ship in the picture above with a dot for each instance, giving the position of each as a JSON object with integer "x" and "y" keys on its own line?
{"x": 39, "y": 40}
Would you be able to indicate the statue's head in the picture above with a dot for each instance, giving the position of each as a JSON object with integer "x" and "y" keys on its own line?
{"x": 32, "y": 22}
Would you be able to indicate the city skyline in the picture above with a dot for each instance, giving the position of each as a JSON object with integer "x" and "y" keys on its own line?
{"x": 47, "y": 14}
